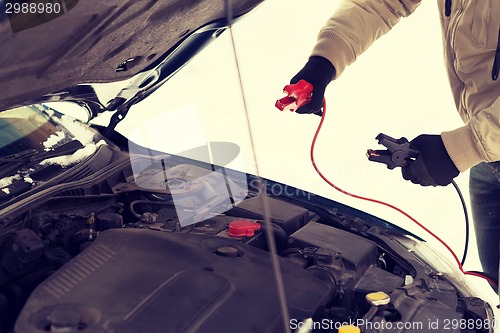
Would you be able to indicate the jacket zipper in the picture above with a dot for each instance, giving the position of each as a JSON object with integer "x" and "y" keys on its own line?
{"x": 452, "y": 31}
{"x": 496, "y": 62}
{"x": 447, "y": 8}
{"x": 452, "y": 27}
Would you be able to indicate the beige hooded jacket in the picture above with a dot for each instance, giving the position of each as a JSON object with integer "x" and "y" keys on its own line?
{"x": 471, "y": 40}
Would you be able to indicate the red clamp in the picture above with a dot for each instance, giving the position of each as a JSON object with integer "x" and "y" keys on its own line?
{"x": 298, "y": 94}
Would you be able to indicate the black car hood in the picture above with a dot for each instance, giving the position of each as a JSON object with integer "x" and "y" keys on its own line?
{"x": 95, "y": 42}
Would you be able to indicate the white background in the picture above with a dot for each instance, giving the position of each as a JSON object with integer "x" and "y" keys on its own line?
{"x": 398, "y": 87}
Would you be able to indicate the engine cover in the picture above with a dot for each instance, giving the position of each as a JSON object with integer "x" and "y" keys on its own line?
{"x": 134, "y": 280}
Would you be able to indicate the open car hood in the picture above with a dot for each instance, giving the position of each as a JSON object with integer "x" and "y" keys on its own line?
{"x": 44, "y": 56}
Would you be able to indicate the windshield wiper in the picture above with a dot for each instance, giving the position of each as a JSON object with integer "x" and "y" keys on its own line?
{"x": 23, "y": 156}
{"x": 33, "y": 155}
{"x": 65, "y": 149}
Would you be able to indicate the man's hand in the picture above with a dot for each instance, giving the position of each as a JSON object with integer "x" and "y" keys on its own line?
{"x": 433, "y": 166}
{"x": 319, "y": 72}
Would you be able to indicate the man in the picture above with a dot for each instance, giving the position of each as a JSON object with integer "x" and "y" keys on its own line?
{"x": 471, "y": 39}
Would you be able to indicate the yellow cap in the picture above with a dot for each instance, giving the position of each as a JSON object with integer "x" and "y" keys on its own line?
{"x": 378, "y": 298}
{"x": 349, "y": 329}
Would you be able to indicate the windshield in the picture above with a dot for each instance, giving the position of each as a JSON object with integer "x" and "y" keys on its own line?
{"x": 38, "y": 147}
{"x": 24, "y": 129}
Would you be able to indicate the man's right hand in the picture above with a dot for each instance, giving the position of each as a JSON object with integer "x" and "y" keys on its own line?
{"x": 318, "y": 71}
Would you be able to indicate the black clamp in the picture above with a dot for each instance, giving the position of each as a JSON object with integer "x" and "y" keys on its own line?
{"x": 398, "y": 153}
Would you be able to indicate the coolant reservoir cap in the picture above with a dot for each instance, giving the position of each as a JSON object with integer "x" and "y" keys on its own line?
{"x": 243, "y": 228}
{"x": 349, "y": 329}
{"x": 378, "y": 298}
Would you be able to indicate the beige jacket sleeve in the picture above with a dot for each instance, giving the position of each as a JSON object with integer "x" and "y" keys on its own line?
{"x": 356, "y": 25}
{"x": 477, "y": 141}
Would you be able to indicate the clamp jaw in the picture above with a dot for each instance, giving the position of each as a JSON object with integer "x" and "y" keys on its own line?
{"x": 398, "y": 153}
{"x": 298, "y": 94}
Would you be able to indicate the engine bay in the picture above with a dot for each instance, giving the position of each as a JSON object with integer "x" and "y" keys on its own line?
{"x": 108, "y": 253}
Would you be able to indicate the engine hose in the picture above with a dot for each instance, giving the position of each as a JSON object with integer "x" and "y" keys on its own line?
{"x": 279, "y": 235}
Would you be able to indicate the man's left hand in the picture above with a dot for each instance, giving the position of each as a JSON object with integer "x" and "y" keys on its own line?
{"x": 433, "y": 166}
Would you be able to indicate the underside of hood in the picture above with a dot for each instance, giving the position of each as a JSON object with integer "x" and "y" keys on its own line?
{"x": 95, "y": 42}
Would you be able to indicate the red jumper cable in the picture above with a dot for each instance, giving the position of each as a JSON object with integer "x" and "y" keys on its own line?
{"x": 299, "y": 94}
